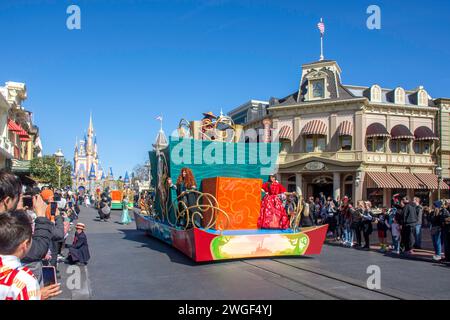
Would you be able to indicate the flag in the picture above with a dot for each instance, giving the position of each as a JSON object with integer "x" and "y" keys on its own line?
{"x": 160, "y": 118}
{"x": 321, "y": 27}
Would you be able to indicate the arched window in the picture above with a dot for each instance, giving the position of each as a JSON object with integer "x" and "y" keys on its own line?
{"x": 315, "y": 136}
{"x": 399, "y": 96}
{"x": 376, "y": 137}
{"x": 285, "y": 145}
{"x": 424, "y": 138}
{"x": 422, "y": 98}
{"x": 400, "y": 139}
{"x": 375, "y": 93}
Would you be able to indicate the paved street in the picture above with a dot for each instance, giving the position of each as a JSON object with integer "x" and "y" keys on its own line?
{"x": 126, "y": 264}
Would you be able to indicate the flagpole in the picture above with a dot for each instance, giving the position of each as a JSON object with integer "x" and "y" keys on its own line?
{"x": 321, "y": 48}
{"x": 321, "y": 42}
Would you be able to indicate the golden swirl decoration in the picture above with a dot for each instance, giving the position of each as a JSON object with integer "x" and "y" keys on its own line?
{"x": 295, "y": 218}
{"x": 163, "y": 190}
{"x": 223, "y": 129}
{"x": 189, "y": 213}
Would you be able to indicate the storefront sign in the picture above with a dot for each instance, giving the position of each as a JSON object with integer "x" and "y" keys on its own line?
{"x": 314, "y": 166}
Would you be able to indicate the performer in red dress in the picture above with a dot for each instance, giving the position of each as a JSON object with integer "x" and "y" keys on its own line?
{"x": 273, "y": 215}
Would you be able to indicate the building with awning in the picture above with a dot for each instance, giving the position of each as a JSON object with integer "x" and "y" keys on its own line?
{"x": 20, "y": 137}
{"x": 365, "y": 142}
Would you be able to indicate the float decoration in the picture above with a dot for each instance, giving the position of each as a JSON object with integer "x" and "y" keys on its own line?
{"x": 216, "y": 219}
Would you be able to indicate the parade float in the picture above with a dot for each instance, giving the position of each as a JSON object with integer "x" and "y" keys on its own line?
{"x": 218, "y": 220}
{"x": 119, "y": 190}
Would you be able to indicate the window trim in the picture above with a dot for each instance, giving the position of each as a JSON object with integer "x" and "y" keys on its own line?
{"x": 374, "y": 144}
{"x": 315, "y": 138}
{"x": 397, "y": 142}
{"x": 421, "y": 145}
{"x": 341, "y": 138}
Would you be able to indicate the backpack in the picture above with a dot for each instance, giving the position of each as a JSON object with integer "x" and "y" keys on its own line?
{"x": 106, "y": 210}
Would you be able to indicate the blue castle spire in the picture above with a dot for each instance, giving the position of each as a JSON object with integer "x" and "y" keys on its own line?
{"x": 92, "y": 172}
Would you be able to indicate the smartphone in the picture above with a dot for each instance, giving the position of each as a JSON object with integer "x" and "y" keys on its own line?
{"x": 53, "y": 205}
{"x": 70, "y": 205}
{"x": 49, "y": 275}
{"x": 27, "y": 201}
{"x": 57, "y": 198}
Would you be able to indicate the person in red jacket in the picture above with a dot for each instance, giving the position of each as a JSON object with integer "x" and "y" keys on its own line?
{"x": 273, "y": 214}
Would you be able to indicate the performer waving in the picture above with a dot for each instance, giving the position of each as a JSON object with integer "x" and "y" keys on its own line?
{"x": 273, "y": 215}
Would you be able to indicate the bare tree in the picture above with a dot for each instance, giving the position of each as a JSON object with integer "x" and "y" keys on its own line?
{"x": 141, "y": 172}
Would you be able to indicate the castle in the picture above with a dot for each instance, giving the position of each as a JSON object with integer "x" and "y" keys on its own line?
{"x": 87, "y": 170}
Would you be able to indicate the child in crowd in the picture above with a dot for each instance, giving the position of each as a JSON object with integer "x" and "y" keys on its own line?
{"x": 16, "y": 281}
{"x": 382, "y": 229}
{"x": 395, "y": 230}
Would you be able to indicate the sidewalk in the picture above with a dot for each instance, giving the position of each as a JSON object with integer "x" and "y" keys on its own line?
{"x": 418, "y": 254}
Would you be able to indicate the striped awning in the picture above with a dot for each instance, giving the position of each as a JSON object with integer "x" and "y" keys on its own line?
{"x": 345, "y": 129}
{"x": 431, "y": 181}
{"x": 285, "y": 133}
{"x": 401, "y": 131}
{"x": 408, "y": 180}
{"x": 317, "y": 127}
{"x": 377, "y": 130}
{"x": 424, "y": 133}
{"x": 382, "y": 180}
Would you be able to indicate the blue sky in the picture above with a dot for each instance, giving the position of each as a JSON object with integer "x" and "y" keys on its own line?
{"x": 133, "y": 60}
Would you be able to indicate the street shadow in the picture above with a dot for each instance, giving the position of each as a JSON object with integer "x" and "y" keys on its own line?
{"x": 157, "y": 245}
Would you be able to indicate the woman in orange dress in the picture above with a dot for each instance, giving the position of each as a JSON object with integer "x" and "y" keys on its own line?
{"x": 273, "y": 214}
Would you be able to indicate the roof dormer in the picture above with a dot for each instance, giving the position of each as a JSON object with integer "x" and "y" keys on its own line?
{"x": 320, "y": 80}
{"x": 375, "y": 93}
{"x": 399, "y": 96}
{"x": 422, "y": 97}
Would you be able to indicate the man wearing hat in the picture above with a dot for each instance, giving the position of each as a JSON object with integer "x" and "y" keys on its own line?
{"x": 79, "y": 251}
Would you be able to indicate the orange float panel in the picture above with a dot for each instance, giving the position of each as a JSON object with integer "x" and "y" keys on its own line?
{"x": 116, "y": 195}
{"x": 240, "y": 198}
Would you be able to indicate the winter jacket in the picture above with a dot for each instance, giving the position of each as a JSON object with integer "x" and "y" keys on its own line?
{"x": 41, "y": 239}
{"x": 41, "y": 242}
{"x": 410, "y": 214}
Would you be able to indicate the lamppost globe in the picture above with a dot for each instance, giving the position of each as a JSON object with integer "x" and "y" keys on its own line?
{"x": 439, "y": 176}
{"x": 59, "y": 156}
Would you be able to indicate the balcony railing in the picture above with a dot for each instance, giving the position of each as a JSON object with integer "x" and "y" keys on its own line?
{"x": 366, "y": 157}
{"x": 22, "y": 166}
{"x": 339, "y": 156}
{"x": 398, "y": 158}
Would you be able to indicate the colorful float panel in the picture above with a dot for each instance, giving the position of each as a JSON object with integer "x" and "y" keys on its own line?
{"x": 210, "y": 245}
{"x": 116, "y": 200}
{"x": 240, "y": 198}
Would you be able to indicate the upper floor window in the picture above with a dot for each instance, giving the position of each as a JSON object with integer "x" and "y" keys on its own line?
{"x": 422, "y": 147}
{"x": 346, "y": 142}
{"x": 375, "y": 93}
{"x": 315, "y": 143}
{"x": 285, "y": 146}
{"x": 400, "y": 146}
{"x": 422, "y": 98}
{"x": 399, "y": 96}
{"x": 376, "y": 144}
{"x": 318, "y": 88}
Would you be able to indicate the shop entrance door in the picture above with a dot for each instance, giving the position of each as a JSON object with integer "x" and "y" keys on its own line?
{"x": 327, "y": 190}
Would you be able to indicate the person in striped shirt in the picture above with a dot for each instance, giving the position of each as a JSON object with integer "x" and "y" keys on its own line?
{"x": 16, "y": 281}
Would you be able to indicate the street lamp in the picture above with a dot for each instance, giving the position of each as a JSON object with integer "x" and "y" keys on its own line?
{"x": 149, "y": 167}
{"x": 439, "y": 176}
{"x": 59, "y": 159}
